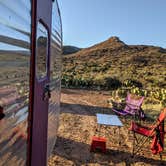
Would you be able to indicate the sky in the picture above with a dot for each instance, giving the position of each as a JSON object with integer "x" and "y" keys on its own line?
{"x": 87, "y": 22}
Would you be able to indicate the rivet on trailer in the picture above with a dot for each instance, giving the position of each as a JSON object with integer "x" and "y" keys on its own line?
{"x": 30, "y": 74}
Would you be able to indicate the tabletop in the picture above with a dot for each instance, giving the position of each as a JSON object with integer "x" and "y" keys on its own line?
{"x": 111, "y": 120}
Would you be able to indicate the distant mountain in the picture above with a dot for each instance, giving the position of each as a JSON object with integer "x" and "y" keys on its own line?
{"x": 70, "y": 50}
{"x": 114, "y": 62}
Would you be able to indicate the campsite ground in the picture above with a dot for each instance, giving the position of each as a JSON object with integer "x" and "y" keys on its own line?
{"x": 78, "y": 125}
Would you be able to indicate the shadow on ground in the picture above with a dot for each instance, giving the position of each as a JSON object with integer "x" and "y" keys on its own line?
{"x": 68, "y": 149}
{"x": 84, "y": 109}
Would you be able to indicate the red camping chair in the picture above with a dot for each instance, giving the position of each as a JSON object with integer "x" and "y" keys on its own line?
{"x": 155, "y": 132}
{"x": 132, "y": 106}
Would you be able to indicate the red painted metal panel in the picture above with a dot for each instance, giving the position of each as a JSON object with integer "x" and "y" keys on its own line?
{"x": 38, "y": 142}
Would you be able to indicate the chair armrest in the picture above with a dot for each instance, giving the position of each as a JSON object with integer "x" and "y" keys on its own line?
{"x": 140, "y": 129}
{"x": 131, "y": 104}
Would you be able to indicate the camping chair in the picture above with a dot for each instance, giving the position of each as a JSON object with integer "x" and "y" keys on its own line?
{"x": 155, "y": 133}
{"x": 132, "y": 106}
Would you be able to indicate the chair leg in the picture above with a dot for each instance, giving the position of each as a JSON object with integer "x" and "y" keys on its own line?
{"x": 133, "y": 144}
{"x": 140, "y": 146}
{"x": 119, "y": 142}
{"x": 138, "y": 143}
{"x": 160, "y": 156}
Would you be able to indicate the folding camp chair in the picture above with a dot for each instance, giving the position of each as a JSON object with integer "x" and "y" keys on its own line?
{"x": 155, "y": 133}
{"x": 132, "y": 106}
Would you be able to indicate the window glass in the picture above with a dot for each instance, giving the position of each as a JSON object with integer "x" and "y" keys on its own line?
{"x": 42, "y": 51}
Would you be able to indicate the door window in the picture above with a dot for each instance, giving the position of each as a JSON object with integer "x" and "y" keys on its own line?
{"x": 41, "y": 51}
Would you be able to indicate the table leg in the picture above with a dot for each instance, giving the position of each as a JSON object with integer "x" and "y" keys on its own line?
{"x": 119, "y": 135}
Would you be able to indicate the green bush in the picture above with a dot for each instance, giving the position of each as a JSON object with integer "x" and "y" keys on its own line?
{"x": 112, "y": 83}
{"x": 132, "y": 83}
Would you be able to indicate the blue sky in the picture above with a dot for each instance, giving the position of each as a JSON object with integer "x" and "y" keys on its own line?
{"x": 87, "y": 22}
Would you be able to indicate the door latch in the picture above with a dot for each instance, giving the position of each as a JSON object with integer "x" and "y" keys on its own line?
{"x": 47, "y": 92}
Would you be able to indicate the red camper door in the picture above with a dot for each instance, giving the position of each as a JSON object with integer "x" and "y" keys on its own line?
{"x": 41, "y": 29}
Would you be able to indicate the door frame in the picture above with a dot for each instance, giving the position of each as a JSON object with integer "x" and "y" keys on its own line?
{"x": 36, "y": 7}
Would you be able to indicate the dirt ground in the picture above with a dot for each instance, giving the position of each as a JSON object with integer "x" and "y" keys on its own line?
{"x": 78, "y": 125}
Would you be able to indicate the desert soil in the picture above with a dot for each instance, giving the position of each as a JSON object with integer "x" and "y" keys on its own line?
{"x": 78, "y": 125}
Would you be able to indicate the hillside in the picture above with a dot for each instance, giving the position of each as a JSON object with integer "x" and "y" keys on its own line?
{"x": 70, "y": 50}
{"x": 112, "y": 64}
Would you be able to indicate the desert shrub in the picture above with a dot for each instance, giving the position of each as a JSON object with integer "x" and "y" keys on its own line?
{"x": 160, "y": 95}
{"x": 138, "y": 91}
{"x": 112, "y": 83}
{"x": 75, "y": 81}
{"x": 66, "y": 80}
{"x": 85, "y": 82}
{"x": 105, "y": 67}
{"x": 107, "y": 83}
{"x": 155, "y": 96}
{"x": 139, "y": 60}
{"x": 132, "y": 83}
{"x": 121, "y": 92}
{"x": 115, "y": 85}
{"x": 99, "y": 82}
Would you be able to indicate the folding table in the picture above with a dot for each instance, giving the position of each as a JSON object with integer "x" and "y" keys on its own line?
{"x": 109, "y": 120}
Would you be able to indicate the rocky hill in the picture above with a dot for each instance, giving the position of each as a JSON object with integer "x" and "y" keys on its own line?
{"x": 112, "y": 64}
{"x": 70, "y": 50}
